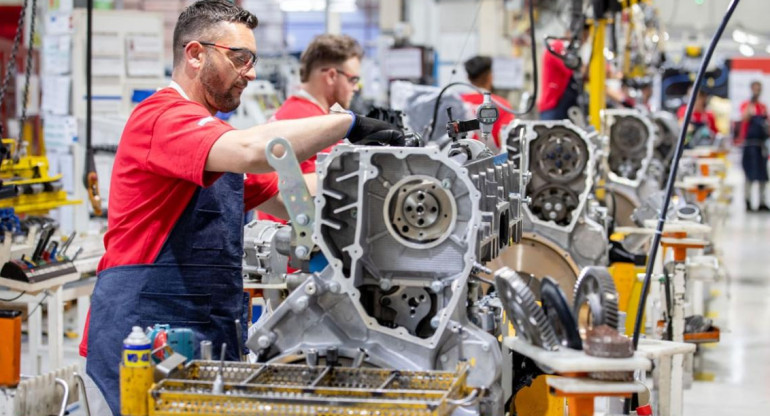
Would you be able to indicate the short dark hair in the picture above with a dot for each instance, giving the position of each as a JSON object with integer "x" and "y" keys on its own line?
{"x": 477, "y": 67}
{"x": 202, "y": 17}
{"x": 755, "y": 82}
{"x": 328, "y": 49}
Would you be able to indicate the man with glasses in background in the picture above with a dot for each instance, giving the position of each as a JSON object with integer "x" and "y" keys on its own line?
{"x": 329, "y": 71}
{"x": 177, "y": 197}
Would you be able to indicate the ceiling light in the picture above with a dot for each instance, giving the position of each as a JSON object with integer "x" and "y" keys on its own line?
{"x": 746, "y": 50}
{"x": 739, "y": 36}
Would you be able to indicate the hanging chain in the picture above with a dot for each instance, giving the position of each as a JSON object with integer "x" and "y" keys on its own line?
{"x": 12, "y": 61}
{"x": 27, "y": 73}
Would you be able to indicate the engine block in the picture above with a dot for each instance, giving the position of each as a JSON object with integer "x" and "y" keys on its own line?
{"x": 403, "y": 230}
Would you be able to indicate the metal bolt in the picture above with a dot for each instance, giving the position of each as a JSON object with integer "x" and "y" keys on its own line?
{"x": 485, "y": 347}
{"x": 436, "y": 286}
{"x": 446, "y": 184}
{"x": 353, "y": 213}
{"x": 444, "y": 358}
{"x": 301, "y": 304}
{"x": 386, "y": 284}
{"x": 303, "y": 219}
{"x": 548, "y": 206}
{"x": 552, "y": 215}
{"x": 264, "y": 341}
{"x": 527, "y": 200}
{"x": 301, "y": 251}
{"x": 334, "y": 287}
{"x": 434, "y": 322}
{"x": 311, "y": 288}
{"x": 558, "y": 206}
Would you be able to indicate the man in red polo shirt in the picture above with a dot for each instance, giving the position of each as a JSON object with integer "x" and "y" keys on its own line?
{"x": 702, "y": 117}
{"x": 177, "y": 198}
{"x": 753, "y": 136}
{"x": 479, "y": 70}
{"x": 329, "y": 71}
{"x": 560, "y": 86}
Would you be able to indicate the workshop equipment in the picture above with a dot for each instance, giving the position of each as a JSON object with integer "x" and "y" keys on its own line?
{"x": 279, "y": 389}
{"x": 180, "y": 340}
{"x": 136, "y": 373}
{"x": 28, "y": 187}
{"x": 10, "y": 348}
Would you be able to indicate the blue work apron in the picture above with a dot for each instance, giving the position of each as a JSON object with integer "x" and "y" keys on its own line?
{"x": 195, "y": 283}
{"x": 754, "y": 158}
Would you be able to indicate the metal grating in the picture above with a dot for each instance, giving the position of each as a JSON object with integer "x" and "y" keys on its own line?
{"x": 286, "y": 389}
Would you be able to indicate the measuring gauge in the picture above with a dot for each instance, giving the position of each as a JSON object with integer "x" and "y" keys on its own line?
{"x": 487, "y": 114}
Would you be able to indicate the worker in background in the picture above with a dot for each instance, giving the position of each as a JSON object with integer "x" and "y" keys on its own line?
{"x": 177, "y": 197}
{"x": 754, "y": 134}
{"x": 330, "y": 74}
{"x": 703, "y": 123}
{"x": 479, "y": 70}
{"x": 561, "y": 87}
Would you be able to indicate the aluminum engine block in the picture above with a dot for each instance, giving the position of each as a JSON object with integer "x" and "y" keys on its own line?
{"x": 402, "y": 229}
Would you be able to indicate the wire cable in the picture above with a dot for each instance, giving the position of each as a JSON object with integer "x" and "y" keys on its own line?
{"x": 675, "y": 167}
{"x": 13, "y": 299}
{"x": 530, "y": 105}
{"x": 45, "y": 296}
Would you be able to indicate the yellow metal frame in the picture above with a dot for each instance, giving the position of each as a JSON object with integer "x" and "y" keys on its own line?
{"x": 30, "y": 170}
{"x": 597, "y": 73}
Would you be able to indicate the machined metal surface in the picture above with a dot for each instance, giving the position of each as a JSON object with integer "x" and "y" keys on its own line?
{"x": 296, "y": 196}
{"x": 281, "y": 389}
{"x": 631, "y": 145}
{"x": 539, "y": 257}
{"x": 402, "y": 231}
{"x": 596, "y": 300}
{"x": 563, "y": 165}
{"x": 527, "y": 316}
{"x": 557, "y": 310}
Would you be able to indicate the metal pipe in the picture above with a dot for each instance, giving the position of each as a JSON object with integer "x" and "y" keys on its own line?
{"x": 82, "y": 389}
{"x": 65, "y": 397}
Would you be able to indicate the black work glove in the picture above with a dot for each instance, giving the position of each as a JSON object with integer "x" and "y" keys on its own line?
{"x": 366, "y": 130}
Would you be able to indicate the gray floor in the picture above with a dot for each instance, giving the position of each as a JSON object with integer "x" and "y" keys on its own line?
{"x": 739, "y": 366}
{"x": 740, "y": 363}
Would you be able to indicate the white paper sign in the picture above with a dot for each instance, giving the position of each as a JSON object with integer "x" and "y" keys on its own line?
{"x": 58, "y": 23}
{"x": 56, "y": 94}
{"x": 57, "y": 54}
{"x": 59, "y": 132}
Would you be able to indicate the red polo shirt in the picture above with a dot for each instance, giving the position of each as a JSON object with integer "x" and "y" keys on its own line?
{"x": 294, "y": 107}
{"x": 159, "y": 164}
{"x": 705, "y": 117}
{"x": 556, "y": 77}
{"x": 759, "y": 109}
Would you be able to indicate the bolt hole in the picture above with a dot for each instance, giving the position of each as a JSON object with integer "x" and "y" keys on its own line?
{"x": 405, "y": 229}
{"x": 434, "y": 209}
{"x": 408, "y": 209}
{"x": 420, "y": 221}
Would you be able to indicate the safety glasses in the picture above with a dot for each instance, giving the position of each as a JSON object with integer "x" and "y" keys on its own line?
{"x": 241, "y": 58}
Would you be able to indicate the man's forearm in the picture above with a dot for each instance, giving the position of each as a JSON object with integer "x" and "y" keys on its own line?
{"x": 243, "y": 151}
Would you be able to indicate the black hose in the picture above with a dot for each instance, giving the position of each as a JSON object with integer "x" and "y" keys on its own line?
{"x": 675, "y": 168}
{"x": 535, "y": 79}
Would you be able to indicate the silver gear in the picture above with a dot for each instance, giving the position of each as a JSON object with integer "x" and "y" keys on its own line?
{"x": 527, "y": 316}
{"x": 596, "y": 300}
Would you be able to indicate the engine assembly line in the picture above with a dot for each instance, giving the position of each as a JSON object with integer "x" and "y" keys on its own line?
{"x": 281, "y": 219}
